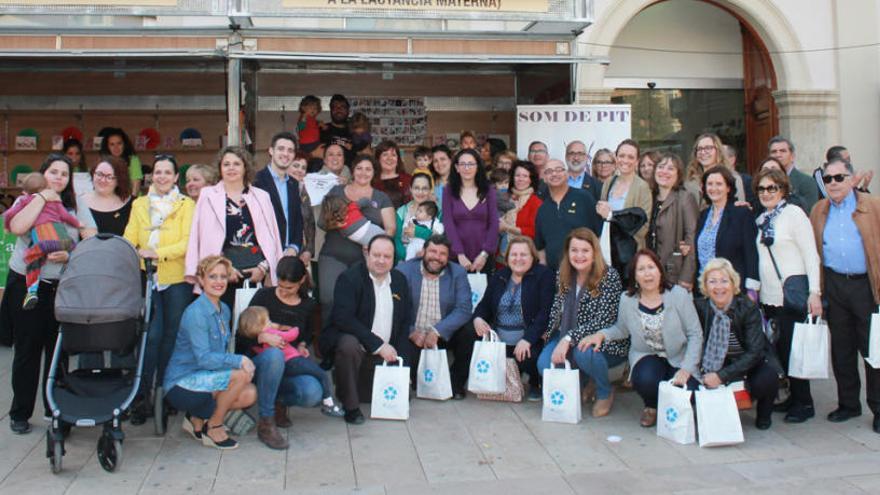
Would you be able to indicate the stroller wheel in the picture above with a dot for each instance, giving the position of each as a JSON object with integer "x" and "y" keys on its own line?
{"x": 54, "y": 451}
{"x": 109, "y": 453}
{"x": 160, "y": 413}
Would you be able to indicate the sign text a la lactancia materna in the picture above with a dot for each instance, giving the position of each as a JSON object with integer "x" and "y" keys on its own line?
{"x": 439, "y": 6}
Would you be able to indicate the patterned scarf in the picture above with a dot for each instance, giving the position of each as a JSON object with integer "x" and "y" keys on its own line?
{"x": 160, "y": 207}
{"x": 719, "y": 339}
{"x": 765, "y": 224}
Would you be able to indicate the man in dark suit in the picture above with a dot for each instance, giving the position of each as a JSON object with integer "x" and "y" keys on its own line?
{"x": 284, "y": 192}
{"x": 441, "y": 296}
{"x": 803, "y": 186}
{"x": 369, "y": 322}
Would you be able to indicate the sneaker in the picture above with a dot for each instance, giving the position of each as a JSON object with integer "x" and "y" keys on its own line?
{"x": 19, "y": 427}
{"x": 30, "y": 301}
{"x": 534, "y": 395}
{"x": 334, "y": 411}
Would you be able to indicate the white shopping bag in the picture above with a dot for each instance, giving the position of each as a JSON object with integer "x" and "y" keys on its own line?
{"x": 488, "y": 366}
{"x": 675, "y": 415}
{"x": 810, "y": 350}
{"x": 605, "y": 242}
{"x": 718, "y": 417}
{"x": 873, "y": 358}
{"x": 433, "y": 380}
{"x": 243, "y": 298}
{"x": 562, "y": 395}
{"x": 478, "y": 284}
{"x": 390, "y": 391}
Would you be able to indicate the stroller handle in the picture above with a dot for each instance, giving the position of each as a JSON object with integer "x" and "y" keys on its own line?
{"x": 149, "y": 266}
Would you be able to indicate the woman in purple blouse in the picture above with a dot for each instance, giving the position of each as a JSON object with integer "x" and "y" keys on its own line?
{"x": 470, "y": 213}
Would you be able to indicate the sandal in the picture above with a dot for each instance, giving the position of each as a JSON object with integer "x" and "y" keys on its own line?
{"x": 207, "y": 441}
{"x": 189, "y": 427}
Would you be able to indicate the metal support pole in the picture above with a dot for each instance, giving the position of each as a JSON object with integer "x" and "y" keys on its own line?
{"x": 233, "y": 101}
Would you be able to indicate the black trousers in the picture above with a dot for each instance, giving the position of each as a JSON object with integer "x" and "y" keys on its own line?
{"x": 762, "y": 383}
{"x": 462, "y": 345}
{"x": 785, "y": 320}
{"x": 35, "y": 333}
{"x": 850, "y": 305}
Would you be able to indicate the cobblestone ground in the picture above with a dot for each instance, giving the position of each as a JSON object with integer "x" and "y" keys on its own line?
{"x": 462, "y": 447}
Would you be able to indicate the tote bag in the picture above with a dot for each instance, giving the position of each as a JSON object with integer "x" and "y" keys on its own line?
{"x": 487, "y": 372}
{"x": 513, "y": 391}
{"x": 718, "y": 420}
{"x": 810, "y": 350}
{"x": 562, "y": 395}
{"x": 391, "y": 392}
{"x": 675, "y": 415}
{"x": 873, "y": 358}
{"x": 433, "y": 377}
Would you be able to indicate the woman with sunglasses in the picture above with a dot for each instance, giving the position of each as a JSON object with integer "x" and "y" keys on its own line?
{"x": 786, "y": 248}
{"x": 159, "y": 229}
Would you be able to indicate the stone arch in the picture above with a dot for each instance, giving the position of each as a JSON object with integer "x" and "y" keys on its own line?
{"x": 761, "y": 15}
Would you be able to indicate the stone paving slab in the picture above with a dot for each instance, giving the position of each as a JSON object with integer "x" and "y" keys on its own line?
{"x": 459, "y": 448}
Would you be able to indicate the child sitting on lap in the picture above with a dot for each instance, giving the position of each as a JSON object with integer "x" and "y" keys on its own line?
{"x": 340, "y": 213}
{"x": 255, "y": 320}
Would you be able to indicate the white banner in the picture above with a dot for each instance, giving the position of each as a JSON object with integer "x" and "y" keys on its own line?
{"x": 598, "y": 126}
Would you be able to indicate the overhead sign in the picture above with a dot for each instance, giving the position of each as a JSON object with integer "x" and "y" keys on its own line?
{"x": 439, "y": 6}
{"x": 100, "y": 3}
{"x": 597, "y": 126}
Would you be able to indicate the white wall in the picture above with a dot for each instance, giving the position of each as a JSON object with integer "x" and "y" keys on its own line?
{"x": 678, "y": 25}
{"x": 858, "y": 69}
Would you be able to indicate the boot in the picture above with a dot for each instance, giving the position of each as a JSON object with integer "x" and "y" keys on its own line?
{"x": 281, "y": 419}
{"x": 269, "y": 434}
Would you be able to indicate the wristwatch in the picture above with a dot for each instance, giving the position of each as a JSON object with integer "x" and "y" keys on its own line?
{"x": 567, "y": 338}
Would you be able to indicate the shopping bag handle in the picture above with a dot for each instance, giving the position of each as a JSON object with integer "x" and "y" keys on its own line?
{"x": 490, "y": 336}
{"x": 247, "y": 284}
{"x": 567, "y": 365}
{"x": 672, "y": 382}
{"x": 399, "y": 362}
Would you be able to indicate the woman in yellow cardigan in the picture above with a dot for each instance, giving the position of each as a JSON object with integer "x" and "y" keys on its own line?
{"x": 159, "y": 228}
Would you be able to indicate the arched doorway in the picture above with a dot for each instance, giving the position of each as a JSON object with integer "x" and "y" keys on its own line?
{"x": 709, "y": 65}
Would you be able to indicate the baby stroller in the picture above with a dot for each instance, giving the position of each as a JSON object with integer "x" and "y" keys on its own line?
{"x": 99, "y": 308}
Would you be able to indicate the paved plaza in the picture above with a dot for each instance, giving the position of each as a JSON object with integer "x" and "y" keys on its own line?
{"x": 463, "y": 447}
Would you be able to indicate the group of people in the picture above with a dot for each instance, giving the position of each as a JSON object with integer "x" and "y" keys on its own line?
{"x": 700, "y": 258}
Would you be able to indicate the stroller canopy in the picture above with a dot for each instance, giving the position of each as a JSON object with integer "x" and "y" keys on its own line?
{"x": 101, "y": 284}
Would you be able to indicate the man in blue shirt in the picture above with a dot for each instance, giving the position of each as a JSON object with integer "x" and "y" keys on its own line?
{"x": 284, "y": 192}
{"x": 846, "y": 227}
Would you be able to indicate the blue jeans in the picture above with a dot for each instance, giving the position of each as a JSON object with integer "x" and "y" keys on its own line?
{"x": 273, "y": 383}
{"x": 592, "y": 364}
{"x": 303, "y": 366}
{"x": 649, "y": 372}
{"x": 168, "y": 307}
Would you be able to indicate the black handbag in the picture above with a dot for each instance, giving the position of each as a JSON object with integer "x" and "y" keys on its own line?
{"x": 795, "y": 289}
{"x": 244, "y": 257}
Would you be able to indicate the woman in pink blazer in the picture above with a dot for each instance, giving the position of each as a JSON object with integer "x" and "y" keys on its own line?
{"x": 235, "y": 220}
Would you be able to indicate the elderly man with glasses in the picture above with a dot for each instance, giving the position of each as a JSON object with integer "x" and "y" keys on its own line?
{"x": 847, "y": 232}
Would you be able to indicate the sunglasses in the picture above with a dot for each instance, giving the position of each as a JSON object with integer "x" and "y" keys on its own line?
{"x": 836, "y": 178}
{"x": 773, "y": 189}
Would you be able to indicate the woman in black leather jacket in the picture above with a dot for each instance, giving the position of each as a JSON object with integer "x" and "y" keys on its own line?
{"x": 734, "y": 345}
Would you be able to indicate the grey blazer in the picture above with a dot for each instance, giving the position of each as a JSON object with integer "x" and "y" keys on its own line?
{"x": 682, "y": 333}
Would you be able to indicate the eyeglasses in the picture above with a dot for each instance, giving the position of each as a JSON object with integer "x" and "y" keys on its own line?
{"x": 771, "y": 189}
{"x": 551, "y": 171}
{"x": 467, "y": 164}
{"x": 103, "y": 176}
{"x": 704, "y": 149}
{"x": 537, "y": 152}
{"x": 603, "y": 162}
{"x": 577, "y": 153}
{"x": 836, "y": 178}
